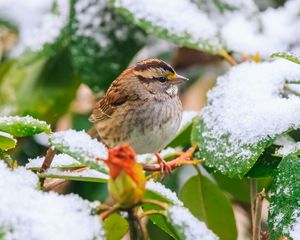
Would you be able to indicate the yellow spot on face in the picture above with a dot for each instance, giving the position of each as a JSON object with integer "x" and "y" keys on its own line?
{"x": 171, "y": 75}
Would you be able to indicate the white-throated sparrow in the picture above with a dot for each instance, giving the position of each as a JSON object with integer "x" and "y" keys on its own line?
{"x": 141, "y": 107}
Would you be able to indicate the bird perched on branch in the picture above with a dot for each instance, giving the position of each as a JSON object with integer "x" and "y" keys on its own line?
{"x": 141, "y": 107}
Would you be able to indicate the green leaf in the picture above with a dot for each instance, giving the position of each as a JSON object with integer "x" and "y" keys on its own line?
{"x": 187, "y": 226}
{"x": 288, "y": 56}
{"x": 207, "y": 202}
{"x": 115, "y": 227}
{"x": 103, "y": 43}
{"x": 170, "y": 27}
{"x": 23, "y": 126}
{"x": 284, "y": 210}
{"x": 221, "y": 157}
{"x": 7, "y": 141}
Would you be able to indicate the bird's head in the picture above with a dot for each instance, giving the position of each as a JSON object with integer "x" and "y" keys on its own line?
{"x": 158, "y": 76}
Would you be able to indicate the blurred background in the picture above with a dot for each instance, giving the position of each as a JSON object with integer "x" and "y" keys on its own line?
{"x": 58, "y": 57}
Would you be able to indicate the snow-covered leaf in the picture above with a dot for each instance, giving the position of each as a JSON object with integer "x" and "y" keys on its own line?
{"x": 80, "y": 146}
{"x": 40, "y": 25}
{"x": 246, "y": 111}
{"x": 103, "y": 43}
{"x": 7, "y": 141}
{"x": 186, "y": 226}
{"x": 27, "y": 213}
{"x": 288, "y": 56}
{"x": 23, "y": 126}
{"x": 165, "y": 19}
{"x": 284, "y": 210}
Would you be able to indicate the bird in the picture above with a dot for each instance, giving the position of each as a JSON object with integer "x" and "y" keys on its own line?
{"x": 141, "y": 107}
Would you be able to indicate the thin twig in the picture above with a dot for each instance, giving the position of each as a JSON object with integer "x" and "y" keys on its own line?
{"x": 108, "y": 212}
{"x": 135, "y": 231}
{"x": 151, "y": 212}
{"x": 155, "y": 202}
{"x": 257, "y": 215}
{"x": 253, "y": 194}
{"x": 228, "y": 58}
{"x": 47, "y": 163}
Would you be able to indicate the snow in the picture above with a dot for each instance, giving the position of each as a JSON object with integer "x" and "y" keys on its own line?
{"x": 247, "y": 104}
{"x": 289, "y": 149}
{"x": 26, "y": 213}
{"x": 59, "y": 160}
{"x": 270, "y": 31}
{"x": 160, "y": 189}
{"x": 192, "y": 23}
{"x": 79, "y": 144}
{"x": 295, "y": 231}
{"x": 36, "y": 22}
{"x": 11, "y": 120}
{"x": 190, "y": 227}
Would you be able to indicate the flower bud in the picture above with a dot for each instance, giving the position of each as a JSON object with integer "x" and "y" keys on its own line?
{"x": 127, "y": 179}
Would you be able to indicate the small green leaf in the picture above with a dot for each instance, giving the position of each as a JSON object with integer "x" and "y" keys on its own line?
{"x": 288, "y": 56}
{"x": 7, "y": 141}
{"x": 207, "y": 202}
{"x": 23, "y": 126}
{"x": 284, "y": 210}
{"x": 168, "y": 26}
{"x": 115, "y": 227}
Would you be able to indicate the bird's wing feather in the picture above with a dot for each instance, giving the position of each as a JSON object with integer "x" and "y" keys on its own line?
{"x": 107, "y": 104}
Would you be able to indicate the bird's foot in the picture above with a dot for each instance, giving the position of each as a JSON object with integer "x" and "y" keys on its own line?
{"x": 165, "y": 168}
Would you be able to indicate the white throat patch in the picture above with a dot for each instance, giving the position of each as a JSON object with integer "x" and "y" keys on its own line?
{"x": 172, "y": 91}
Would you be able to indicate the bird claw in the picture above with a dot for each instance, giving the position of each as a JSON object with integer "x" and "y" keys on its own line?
{"x": 165, "y": 169}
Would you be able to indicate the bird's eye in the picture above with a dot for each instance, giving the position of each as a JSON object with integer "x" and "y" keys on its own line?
{"x": 162, "y": 79}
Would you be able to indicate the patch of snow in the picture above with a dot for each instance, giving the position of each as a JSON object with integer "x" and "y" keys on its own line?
{"x": 188, "y": 225}
{"x": 26, "y": 213}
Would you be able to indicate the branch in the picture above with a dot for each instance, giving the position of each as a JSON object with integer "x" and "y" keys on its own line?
{"x": 253, "y": 195}
{"x": 47, "y": 163}
{"x": 228, "y": 58}
{"x": 257, "y": 215}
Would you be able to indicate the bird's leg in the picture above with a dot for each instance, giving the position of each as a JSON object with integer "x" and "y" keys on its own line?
{"x": 164, "y": 167}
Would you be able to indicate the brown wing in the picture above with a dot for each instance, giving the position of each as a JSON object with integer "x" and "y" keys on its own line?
{"x": 107, "y": 104}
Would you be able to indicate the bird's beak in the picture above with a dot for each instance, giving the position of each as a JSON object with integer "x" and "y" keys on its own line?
{"x": 178, "y": 79}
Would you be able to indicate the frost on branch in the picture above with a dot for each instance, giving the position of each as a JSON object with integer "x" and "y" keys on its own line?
{"x": 246, "y": 111}
{"x": 80, "y": 146}
{"x": 187, "y": 226}
{"x": 26, "y": 213}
